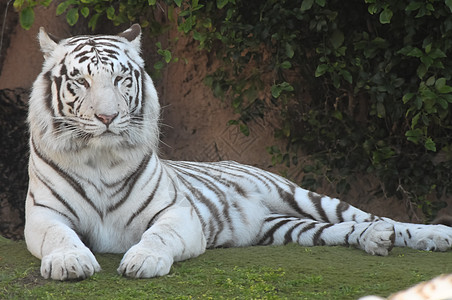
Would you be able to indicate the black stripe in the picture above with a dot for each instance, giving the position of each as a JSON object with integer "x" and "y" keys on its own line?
{"x": 288, "y": 236}
{"x": 138, "y": 96}
{"x": 137, "y": 174}
{"x": 32, "y": 196}
{"x": 287, "y": 197}
{"x": 270, "y": 234}
{"x": 83, "y": 53}
{"x": 346, "y": 238}
{"x": 203, "y": 169}
{"x": 340, "y": 209}
{"x": 54, "y": 193}
{"x": 308, "y": 227}
{"x": 58, "y": 81}
{"x": 316, "y": 240}
{"x": 155, "y": 217}
{"x": 146, "y": 203}
{"x": 69, "y": 179}
{"x": 48, "y": 78}
{"x": 210, "y": 206}
{"x": 317, "y": 202}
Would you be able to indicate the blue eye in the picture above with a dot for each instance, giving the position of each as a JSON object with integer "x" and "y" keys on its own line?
{"x": 83, "y": 82}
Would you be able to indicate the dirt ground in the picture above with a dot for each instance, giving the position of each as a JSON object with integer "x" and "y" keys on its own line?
{"x": 193, "y": 120}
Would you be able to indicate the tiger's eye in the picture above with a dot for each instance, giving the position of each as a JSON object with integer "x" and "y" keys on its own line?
{"x": 82, "y": 81}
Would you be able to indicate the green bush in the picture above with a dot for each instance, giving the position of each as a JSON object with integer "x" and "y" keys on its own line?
{"x": 359, "y": 86}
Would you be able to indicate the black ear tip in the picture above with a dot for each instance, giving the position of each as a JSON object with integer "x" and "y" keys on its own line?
{"x": 132, "y": 33}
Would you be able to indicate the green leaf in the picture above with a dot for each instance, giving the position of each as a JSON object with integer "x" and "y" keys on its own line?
{"x": 27, "y": 17}
{"x": 159, "y": 65}
{"x": 46, "y": 3}
{"x": 415, "y": 52}
{"x": 237, "y": 102}
{"x": 18, "y": 4}
{"x": 221, "y": 3}
{"x": 321, "y": 3}
{"x": 407, "y": 97}
{"x": 381, "y": 110}
{"x": 286, "y": 65}
{"x": 84, "y": 11}
{"x": 414, "y": 135}
{"x": 413, "y": 6}
{"x": 321, "y": 69}
{"x": 430, "y": 145}
{"x": 449, "y": 4}
{"x": 62, "y": 7}
{"x": 178, "y": 2}
{"x": 110, "y": 13}
{"x": 337, "y": 38}
{"x": 72, "y": 16}
{"x": 421, "y": 71}
{"x": 430, "y": 81}
{"x": 167, "y": 56}
{"x": 93, "y": 21}
{"x": 347, "y": 76}
{"x": 306, "y": 5}
{"x": 442, "y": 87}
{"x": 437, "y": 53}
{"x": 337, "y": 114}
{"x": 289, "y": 50}
{"x": 244, "y": 129}
{"x": 152, "y": 2}
{"x": 415, "y": 120}
{"x": 442, "y": 102}
{"x": 385, "y": 16}
{"x": 276, "y": 91}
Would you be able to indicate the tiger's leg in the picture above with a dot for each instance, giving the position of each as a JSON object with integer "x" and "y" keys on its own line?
{"x": 49, "y": 237}
{"x": 376, "y": 238}
{"x": 330, "y": 210}
{"x": 176, "y": 235}
{"x": 422, "y": 237}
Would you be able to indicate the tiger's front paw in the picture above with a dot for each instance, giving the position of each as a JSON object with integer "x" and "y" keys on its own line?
{"x": 140, "y": 262}
{"x": 378, "y": 239}
{"x": 69, "y": 264}
{"x": 432, "y": 238}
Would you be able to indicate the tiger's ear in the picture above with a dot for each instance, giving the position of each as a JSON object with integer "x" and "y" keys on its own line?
{"x": 133, "y": 35}
{"x": 47, "y": 42}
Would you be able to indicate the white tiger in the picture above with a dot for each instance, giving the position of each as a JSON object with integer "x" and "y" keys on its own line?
{"x": 97, "y": 183}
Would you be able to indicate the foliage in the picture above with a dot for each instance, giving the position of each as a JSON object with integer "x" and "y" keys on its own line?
{"x": 359, "y": 86}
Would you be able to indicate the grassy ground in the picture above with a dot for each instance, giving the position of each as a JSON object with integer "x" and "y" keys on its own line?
{"x": 283, "y": 272}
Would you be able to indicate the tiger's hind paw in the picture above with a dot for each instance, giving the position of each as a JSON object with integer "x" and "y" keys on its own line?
{"x": 378, "y": 238}
{"x": 432, "y": 238}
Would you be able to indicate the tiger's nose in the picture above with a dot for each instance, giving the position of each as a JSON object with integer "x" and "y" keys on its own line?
{"x": 106, "y": 119}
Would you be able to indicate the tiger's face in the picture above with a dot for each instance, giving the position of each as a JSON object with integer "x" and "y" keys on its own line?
{"x": 94, "y": 90}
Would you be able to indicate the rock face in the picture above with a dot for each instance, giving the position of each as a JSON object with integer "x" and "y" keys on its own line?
{"x": 13, "y": 161}
{"x": 193, "y": 120}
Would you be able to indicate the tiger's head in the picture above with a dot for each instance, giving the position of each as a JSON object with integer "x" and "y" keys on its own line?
{"x": 93, "y": 93}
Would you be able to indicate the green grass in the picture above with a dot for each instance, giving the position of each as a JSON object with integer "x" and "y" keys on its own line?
{"x": 282, "y": 272}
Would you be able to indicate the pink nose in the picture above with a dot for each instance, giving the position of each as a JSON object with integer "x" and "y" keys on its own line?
{"x": 106, "y": 119}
